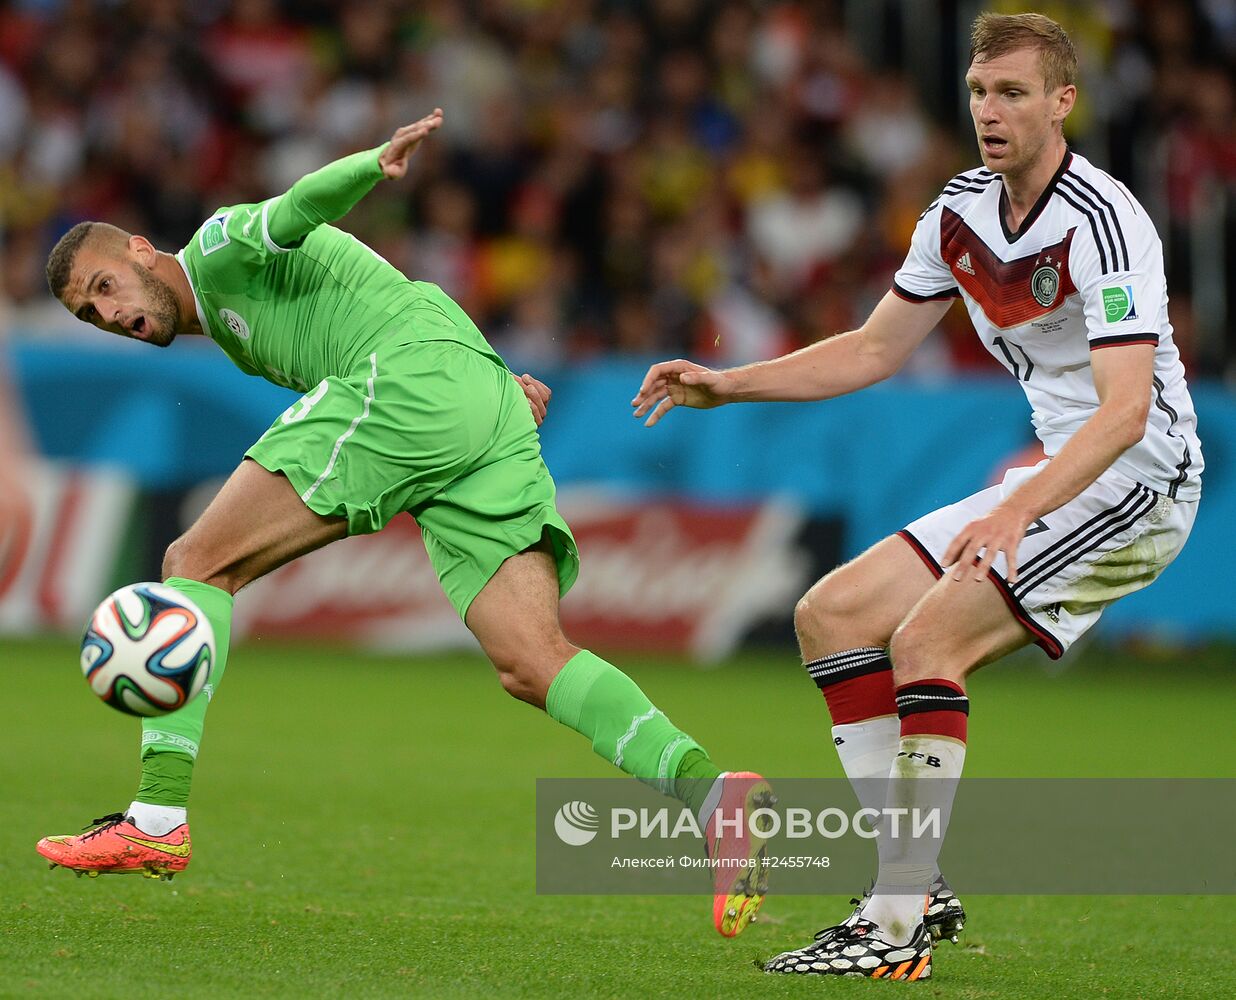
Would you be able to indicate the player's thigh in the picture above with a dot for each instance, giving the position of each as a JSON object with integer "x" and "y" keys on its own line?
{"x": 256, "y": 523}
{"x": 862, "y": 602}
{"x": 515, "y": 618}
{"x": 957, "y": 627}
{"x": 504, "y": 555}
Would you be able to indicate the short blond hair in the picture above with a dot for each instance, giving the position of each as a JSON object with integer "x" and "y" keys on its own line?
{"x": 994, "y": 35}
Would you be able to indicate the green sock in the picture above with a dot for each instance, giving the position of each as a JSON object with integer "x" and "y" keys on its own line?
{"x": 599, "y": 701}
{"x": 166, "y": 776}
{"x": 170, "y": 742}
{"x": 694, "y": 778}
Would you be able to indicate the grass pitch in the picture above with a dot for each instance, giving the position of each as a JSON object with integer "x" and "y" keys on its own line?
{"x": 363, "y": 827}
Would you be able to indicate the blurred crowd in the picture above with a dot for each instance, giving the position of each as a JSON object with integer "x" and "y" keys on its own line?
{"x": 724, "y": 180}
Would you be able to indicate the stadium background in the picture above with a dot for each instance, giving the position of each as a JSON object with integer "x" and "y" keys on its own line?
{"x": 617, "y": 182}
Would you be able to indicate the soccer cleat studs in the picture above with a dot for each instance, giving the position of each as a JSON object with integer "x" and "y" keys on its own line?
{"x": 740, "y": 879}
{"x": 943, "y": 916}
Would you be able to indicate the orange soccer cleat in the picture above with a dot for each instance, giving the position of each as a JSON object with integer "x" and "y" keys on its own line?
{"x": 114, "y": 846}
{"x": 736, "y": 849}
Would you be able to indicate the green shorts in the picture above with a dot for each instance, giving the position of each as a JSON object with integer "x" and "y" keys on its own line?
{"x": 439, "y": 431}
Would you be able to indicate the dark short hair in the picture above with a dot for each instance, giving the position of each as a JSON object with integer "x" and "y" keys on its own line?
{"x": 60, "y": 260}
{"x": 994, "y": 35}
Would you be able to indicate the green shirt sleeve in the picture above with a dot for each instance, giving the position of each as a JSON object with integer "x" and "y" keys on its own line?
{"x": 325, "y": 195}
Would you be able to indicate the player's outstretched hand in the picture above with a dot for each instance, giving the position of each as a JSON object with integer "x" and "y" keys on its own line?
{"x": 394, "y": 158}
{"x": 538, "y": 394}
{"x": 679, "y": 383}
{"x": 977, "y": 544}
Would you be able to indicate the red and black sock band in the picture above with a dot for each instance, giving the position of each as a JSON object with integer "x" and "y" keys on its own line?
{"x": 933, "y": 707}
{"x": 857, "y": 683}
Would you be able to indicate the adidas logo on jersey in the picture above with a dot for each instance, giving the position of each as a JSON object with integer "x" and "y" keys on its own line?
{"x": 963, "y": 263}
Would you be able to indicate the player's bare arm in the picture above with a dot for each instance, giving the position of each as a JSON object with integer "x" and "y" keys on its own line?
{"x": 1122, "y": 378}
{"x": 833, "y": 367}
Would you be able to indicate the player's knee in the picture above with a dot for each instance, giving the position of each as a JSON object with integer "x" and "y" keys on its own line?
{"x": 806, "y": 619}
{"x": 176, "y": 560}
{"x": 525, "y": 679}
{"x": 911, "y": 648}
{"x": 526, "y": 669}
{"x": 520, "y": 685}
{"x": 802, "y": 615}
{"x": 820, "y": 617}
{"x": 921, "y": 648}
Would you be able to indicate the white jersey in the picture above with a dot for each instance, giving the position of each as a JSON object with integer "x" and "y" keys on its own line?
{"x": 1084, "y": 272}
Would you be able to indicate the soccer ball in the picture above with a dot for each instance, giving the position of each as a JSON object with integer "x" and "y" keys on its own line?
{"x": 148, "y": 650}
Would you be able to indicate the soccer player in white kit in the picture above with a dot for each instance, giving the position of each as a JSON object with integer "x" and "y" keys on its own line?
{"x": 1061, "y": 271}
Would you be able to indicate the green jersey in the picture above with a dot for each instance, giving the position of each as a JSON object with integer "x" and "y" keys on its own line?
{"x": 295, "y": 300}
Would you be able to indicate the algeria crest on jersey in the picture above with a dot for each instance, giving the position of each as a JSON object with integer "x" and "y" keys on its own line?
{"x": 235, "y": 322}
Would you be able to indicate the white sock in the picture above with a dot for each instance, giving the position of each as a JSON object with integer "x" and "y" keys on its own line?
{"x": 867, "y": 750}
{"x": 158, "y": 821}
{"x": 894, "y": 907}
{"x": 923, "y": 777}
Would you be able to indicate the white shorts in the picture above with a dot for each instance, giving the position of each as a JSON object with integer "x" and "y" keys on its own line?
{"x": 1111, "y": 540}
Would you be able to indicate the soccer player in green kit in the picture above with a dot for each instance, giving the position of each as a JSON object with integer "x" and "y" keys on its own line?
{"x": 406, "y": 407}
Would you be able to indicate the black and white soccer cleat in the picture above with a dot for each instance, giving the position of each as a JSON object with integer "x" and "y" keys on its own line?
{"x": 944, "y": 916}
{"x": 856, "y": 949}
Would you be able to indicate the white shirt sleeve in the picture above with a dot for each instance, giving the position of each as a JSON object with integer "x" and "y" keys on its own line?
{"x": 1117, "y": 266}
{"x": 925, "y": 275}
